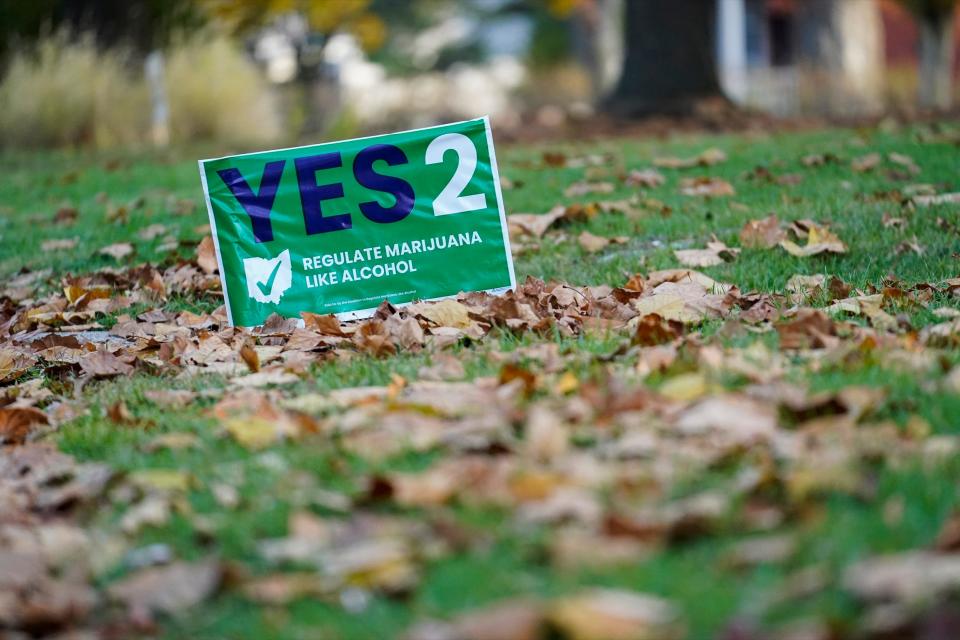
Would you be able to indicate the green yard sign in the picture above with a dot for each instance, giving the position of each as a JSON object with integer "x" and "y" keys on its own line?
{"x": 340, "y": 227}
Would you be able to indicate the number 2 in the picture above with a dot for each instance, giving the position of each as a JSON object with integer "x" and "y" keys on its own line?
{"x": 449, "y": 200}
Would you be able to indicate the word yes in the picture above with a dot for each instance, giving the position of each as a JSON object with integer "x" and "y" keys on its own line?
{"x": 258, "y": 206}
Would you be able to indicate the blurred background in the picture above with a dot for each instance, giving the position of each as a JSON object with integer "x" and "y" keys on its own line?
{"x": 109, "y": 73}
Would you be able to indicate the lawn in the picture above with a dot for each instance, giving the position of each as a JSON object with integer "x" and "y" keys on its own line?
{"x": 778, "y": 460}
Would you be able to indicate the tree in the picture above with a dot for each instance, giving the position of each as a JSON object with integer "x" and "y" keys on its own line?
{"x": 139, "y": 25}
{"x": 840, "y": 56}
{"x": 935, "y": 18}
{"x": 670, "y": 63}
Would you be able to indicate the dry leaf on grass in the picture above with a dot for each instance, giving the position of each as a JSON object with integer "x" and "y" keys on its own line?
{"x": 819, "y": 240}
{"x": 592, "y": 243}
{"x": 869, "y": 307}
{"x": 17, "y": 423}
{"x": 910, "y": 578}
{"x": 705, "y": 158}
{"x": 171, "y": 589}
{"x": 533, "y": 224}
{"x": 706, "y": 187}
{"x": 583, "y": 188}
{"x": 764, "y": 233}
{"x": 207, "y": 256}
{"x": 117, "y": 251}
{"x": 715, "y": 253}
{"x": 940, "y": 198}
{"x": 103, "y": 364}
{"x": 866, "y": 163}
{"x": 59, "y": 245}
{"x": 644, "y": 178}
{"x": 607, "y": 614}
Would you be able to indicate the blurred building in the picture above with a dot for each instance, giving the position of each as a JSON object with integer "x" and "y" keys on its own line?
{"x": 776, "y": 55}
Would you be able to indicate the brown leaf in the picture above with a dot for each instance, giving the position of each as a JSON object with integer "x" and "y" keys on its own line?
{"x": 716, "y": 253}
{"x": 706, "y": 187}
{"x": 808, "y": 329}
{"x": 706, "y": 158}
{"x": 761, "y": 234}
{"x": 207, "y": 256}
{"x": 592, "y": 243}
{"x": 510, "y": 372}
{"x": 16, "y": 423}
{"x": 171, "y": 589}
{"x": 819, "y": 240}
{"x": 866, "y": 163}
{"x": 868, "y": 306}
{"x": 533, "y": 224}
{"x": 578, "y": 189}
{"x": 607, "y": 614}
{"x": 948, "y": 539}
{"x": 328, "y": 325}
{"x": 250, "y": 357}
{"x": 646, "y": 178}
{"x": 652, "y": 330}
{"x": 103, "y": 364}
{"x": 66, "y": 215}
{"x": 173, "y": 398}
{"x": 904, "y": 161}
{"x": 118, "y": 251}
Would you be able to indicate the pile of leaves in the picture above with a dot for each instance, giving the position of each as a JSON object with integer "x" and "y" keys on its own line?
{"x": 692, "y": 419}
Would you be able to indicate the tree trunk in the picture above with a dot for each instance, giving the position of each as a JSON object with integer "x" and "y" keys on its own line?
{"x": 670, "y": 63}
{"x": 841, "y": 56}
{"x": 936, "y": 60}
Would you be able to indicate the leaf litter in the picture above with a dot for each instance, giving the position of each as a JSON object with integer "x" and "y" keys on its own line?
{"x": 599, "y": 462}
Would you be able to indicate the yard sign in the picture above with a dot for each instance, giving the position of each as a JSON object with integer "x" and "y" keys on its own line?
{"x": 340, "y": 227}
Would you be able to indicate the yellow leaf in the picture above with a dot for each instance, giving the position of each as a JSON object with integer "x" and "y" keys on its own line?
{"x": 685, "y": 387}
{"x": 446, "y": 313}
{"x": 567, "y": 383}
{"x": 170, "y": 480}
{"x": 252, "y": 432}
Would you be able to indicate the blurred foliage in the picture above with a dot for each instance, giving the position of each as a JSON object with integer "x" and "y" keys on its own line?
{"x": 70, "y": 93}
{"x": 366, "y": 19}
{"x": 930, "y": 9}
{"x": 139, "y": 25}
{"x": 216, "y": 92}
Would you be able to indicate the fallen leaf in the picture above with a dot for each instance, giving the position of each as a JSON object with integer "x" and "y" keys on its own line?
{"x": 607, "y": 614}
{"x": 59, "y": 245}
{"x": 534, "y": 224}
{"x": 908, "y": 578}
{"x": 904, "y": 161}
{"x": 17, "y": 423}
{"x": 103, "y": 364}
{"x": 762, "y": 234}
{"x": 592, "y": 243}
{"x": 716, "y": 253}
{"x": 706, "y": 187}
{"x": 865, "y": 163}
{"x": 171, "y": 589}
{"x": 207, "y": 256}
{"x": 941, "y": 198}
{"x": 583, "y": 188}
{"x": 706, "y": 158}
{"x": 819, "y": 240}
{"x": 644, "y": 178}
{"x": 118, "y": 251}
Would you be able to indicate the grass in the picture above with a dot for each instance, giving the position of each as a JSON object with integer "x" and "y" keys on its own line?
{"x": 697, "y": 575}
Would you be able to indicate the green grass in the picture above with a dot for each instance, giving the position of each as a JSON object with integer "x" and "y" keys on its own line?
{"x": 697, "y": 575}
